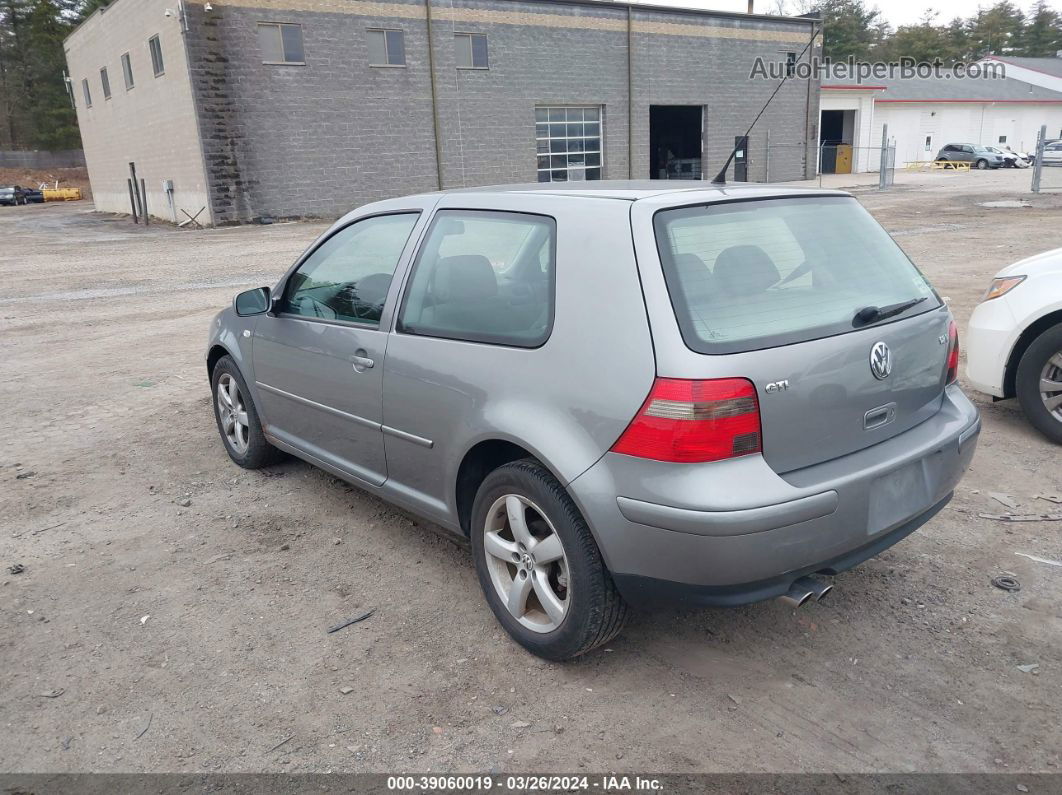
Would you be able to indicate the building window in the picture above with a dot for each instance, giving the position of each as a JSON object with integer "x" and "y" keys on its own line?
{"x": 790, "y": 64}
{"x": 106, "y": 83}
{"x": 156, "y": 56}
{"x": 387, "y": 48}
{"x": 569, "y": 143}
{"x": 88, "y": 95}
{"x": 471, "y": 50}
{"x": 1002, "y": 139}
{"x": 127, "y": 71}
{"x": 281, "y": 43}
{"x": 929, "y": 143}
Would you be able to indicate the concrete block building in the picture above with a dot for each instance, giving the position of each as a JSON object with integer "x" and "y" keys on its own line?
{"x": 289, "y": 108}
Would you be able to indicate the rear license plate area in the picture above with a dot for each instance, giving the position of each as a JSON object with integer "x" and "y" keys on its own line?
{"x": 897, "y": 496}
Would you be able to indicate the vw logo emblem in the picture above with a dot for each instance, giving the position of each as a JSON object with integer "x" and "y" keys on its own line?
{"x": 880, "y": 361}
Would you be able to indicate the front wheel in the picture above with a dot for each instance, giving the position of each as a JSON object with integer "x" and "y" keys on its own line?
{"x": 1039, "y": 383}
{"x": 237, "y": 418}
{"x": 539, "y": 566}
{"x": 982, "y": 164}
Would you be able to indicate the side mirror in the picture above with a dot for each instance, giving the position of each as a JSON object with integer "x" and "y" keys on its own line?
{"x": 252, "y": 302}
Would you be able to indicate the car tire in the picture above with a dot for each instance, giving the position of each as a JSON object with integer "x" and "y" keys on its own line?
{"x": 564, "y": 605}
{"x": 982, "y": 163}
{"x": 1041, "y": 361}
{"x": 237, "y": 418}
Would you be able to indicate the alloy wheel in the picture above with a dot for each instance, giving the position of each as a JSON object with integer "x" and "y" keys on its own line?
{"x": 527, "y": 563}
{"x": 233, "y": 413}
{"x": 1051, "y": 386}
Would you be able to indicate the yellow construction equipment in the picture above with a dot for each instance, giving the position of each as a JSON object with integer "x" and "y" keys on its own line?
{"x": 62, "y": 194}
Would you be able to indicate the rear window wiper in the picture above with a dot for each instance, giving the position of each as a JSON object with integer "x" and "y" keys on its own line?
{"x": 872, "y": 314}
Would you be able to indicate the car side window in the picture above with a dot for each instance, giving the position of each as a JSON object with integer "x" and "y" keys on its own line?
{"x": 346, "y": 278}
{"x": 484, "y": 276}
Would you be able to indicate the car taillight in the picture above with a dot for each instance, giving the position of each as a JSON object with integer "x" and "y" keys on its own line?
{"x": 953, "y": 354}
{"x": 694, "y": 421}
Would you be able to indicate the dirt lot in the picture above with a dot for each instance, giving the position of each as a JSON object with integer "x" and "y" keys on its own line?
{"x": 172, "y": 612}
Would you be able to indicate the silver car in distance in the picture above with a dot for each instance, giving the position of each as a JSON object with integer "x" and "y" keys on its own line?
{"x": 620, "y": 392}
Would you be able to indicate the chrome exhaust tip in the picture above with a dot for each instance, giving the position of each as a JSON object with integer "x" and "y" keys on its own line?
{"x": 819, "y": 588}
{"x": 804, "y": 589}
{"x": 797, "y": 594}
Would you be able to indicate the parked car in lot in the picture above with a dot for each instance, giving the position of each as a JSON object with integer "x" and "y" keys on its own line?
{"x": 620, "y": 393}
{"x": 12, "y": 195}
{"x": 1024, "y": 158}
{"x": 33, "y": 195}
{"x": 974, "y": 154}
{"x": 1010, "y": 159}
{"x": 1053, "y": 153}
{"x": 1014, "y": 345}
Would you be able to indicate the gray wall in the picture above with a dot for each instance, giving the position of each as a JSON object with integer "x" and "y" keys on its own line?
{"x": 64, "y": 158}
{"x": 318, "y": 139}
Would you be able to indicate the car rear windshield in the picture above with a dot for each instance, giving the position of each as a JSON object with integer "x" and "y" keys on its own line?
{"x": 757, "y": 274}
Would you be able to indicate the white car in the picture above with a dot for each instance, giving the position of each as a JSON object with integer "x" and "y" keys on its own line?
{"x": 1053, "y": 154}
{"x": 1024, "y": 160}
{"x": 1014, "y": 343}
{"x": 1010, "y": 159}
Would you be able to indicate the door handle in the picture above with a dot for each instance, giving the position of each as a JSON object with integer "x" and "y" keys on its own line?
{"x": 362, "y": 363}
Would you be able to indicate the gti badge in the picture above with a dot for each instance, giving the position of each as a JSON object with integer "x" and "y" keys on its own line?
{"x": 880, "y": 361}
{"x": 777, "y": 386}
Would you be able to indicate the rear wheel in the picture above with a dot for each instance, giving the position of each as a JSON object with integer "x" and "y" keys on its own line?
{"x": 539, "y": 566}
{"x": 237, "y": 418}
{"x": 982, "y": 163}
{"x": 1039, "y": 383}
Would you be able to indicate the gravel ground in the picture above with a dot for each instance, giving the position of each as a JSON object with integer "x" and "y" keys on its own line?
{"x": 172, "y": 611}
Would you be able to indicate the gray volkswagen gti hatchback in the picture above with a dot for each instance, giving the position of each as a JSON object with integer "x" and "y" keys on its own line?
{"x": 619, "y": 392}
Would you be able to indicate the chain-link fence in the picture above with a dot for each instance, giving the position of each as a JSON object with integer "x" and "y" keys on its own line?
{"x": 835, "y": 158}
{"x": 767, "y": 159}
{"x": 1047, "y": 164}
{"x": 780, "y": 161}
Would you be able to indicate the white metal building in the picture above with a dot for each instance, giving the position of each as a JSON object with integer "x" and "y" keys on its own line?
{"x": 1044, "y": 72}
{"x": 924, "y": 114}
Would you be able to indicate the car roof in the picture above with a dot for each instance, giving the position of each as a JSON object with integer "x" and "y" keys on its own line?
{"x": 635, "y": 190}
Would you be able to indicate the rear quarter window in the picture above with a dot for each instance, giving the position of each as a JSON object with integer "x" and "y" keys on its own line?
{"x": 484, "y": 276}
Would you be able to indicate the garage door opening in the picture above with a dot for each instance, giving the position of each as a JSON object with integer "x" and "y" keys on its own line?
{"x": 836, "y": 135}
{"x": 675, "y": 141}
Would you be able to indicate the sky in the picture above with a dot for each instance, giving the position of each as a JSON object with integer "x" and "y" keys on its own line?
{"x": 897, "y": 12}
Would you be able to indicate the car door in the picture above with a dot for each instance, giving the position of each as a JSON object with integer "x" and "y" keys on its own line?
{"x": 477, "y": 310}
{"x": 318, "y": 356}
{"x": 966, "y": 154}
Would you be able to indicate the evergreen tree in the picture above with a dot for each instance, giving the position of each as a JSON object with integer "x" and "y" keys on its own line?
{"x": 996, "y": 30}
{"x": 1042, "y": 37}
{"x": 924, "y": 42}
{"x": 851, "y": 28}
{"x": 35, "y": 108}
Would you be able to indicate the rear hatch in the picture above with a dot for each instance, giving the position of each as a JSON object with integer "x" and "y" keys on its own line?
{"x": 811, "y": 300}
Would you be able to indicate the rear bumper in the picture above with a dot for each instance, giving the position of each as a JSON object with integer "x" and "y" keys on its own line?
{"x": 649, "y": 590}
{"x": 733, "y": 532}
